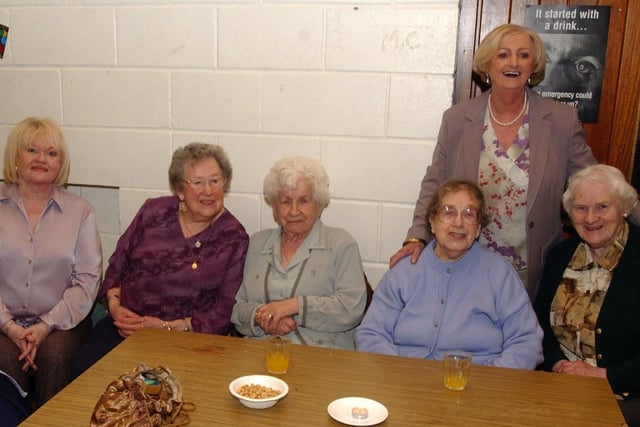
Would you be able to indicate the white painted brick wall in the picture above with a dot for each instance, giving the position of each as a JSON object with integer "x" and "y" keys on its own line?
{"x": 116, "y": 98}
{"x": 271, "y": 37}
{"x": 359, "y": 84}
{"x": 130, "y": 159}
{"x": 324, "y": 104}
{"x": 28, "y": 91}
{"x": 62, "y": 36}
{"x": 391, "y": 39}
{"x": 216, "y": 100}
{"x": 173, "y": 37}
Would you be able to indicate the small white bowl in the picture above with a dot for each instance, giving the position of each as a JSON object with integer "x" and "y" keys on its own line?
{"x": 263, "y": 380}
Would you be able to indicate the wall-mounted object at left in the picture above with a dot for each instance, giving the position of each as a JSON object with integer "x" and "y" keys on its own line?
{"x": 4, "y": 33}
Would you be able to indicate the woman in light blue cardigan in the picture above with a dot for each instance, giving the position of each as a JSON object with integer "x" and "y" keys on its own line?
{"x": 458, "y": 296}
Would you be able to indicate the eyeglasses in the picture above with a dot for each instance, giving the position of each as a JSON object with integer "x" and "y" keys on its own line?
{"x": 448, "y": 214}
{"x": 199, "y": 184}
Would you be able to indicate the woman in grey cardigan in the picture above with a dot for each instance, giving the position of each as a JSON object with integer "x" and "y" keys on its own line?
{"x": 302, "y": 280}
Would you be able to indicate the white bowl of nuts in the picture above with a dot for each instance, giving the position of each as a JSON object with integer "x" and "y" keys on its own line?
{"x": 258, "y": 391}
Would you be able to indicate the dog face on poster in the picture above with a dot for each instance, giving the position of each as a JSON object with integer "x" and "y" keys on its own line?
{"x": 575, "y": 65}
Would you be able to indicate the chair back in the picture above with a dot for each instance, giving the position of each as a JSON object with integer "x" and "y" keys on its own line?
{"x": 369, "y": 292}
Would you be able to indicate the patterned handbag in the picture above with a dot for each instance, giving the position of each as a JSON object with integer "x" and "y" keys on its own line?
{"x": 144, "y": 397}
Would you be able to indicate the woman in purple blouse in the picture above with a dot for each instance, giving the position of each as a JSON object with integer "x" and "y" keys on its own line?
{"x": 179, "y": 264}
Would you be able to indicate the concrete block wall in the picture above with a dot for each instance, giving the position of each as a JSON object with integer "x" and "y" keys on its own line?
{"x": 360, "y": 85}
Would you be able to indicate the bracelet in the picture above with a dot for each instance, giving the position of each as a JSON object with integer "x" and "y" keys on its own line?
{"x": 165, "y": 325}
{"x": 414, "y": 240}
{"x": 256, "y": 314}
{"x": 186, "y": 325}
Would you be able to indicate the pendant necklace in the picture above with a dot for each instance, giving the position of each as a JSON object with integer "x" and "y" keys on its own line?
{"x": 199, "y": 245}
{"x": 498, "y": 122}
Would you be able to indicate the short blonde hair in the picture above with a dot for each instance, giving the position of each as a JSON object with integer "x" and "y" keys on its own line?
{"x": 23, "y": 134}
{"x": 491, "y": 43}
{"x": 286, "y": 173}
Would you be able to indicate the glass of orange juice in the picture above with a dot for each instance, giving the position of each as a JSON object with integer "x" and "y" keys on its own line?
{"x": 457, "y": 365}
{"x": 277, "y": 354}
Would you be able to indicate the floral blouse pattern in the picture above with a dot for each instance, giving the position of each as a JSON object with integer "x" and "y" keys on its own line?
{"x": 504, "y": 180}
{"x": 576, "y": 305}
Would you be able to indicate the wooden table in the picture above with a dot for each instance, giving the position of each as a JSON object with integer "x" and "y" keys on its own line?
{"x": 411, "y": 389}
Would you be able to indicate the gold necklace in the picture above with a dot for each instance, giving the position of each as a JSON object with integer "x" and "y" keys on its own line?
{"x": 191, "y": 233}
{"x": 198, "y": 244}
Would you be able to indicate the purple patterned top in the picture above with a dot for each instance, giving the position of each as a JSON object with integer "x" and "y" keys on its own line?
{"x": 503, "y": 177}
{"x": 152, "y": 266}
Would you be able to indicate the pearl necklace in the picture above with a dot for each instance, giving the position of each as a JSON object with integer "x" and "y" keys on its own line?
{"x": 498, "y": 122}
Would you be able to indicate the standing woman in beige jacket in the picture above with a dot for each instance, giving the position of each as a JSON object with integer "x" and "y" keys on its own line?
{"x": 518, "y": 146}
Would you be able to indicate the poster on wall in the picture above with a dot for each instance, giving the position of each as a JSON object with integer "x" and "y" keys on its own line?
{"x": 4, "y": 33}
{"x": 575, "y": 38}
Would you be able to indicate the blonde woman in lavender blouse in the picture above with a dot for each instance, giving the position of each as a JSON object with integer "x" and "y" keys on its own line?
{"x": 179, "y": 264}
{"x": 50, "y": 261}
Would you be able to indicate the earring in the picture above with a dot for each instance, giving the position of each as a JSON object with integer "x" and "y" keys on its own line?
{"x": 488, "y": 80}
{"x": 625, "y": 215}
{"x": 182, "y": 207}
{"x": 529, "y": 80}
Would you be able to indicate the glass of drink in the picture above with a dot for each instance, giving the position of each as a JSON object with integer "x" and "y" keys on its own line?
{"x": 277, "y": 354}
{"x": 457, "y": 365}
